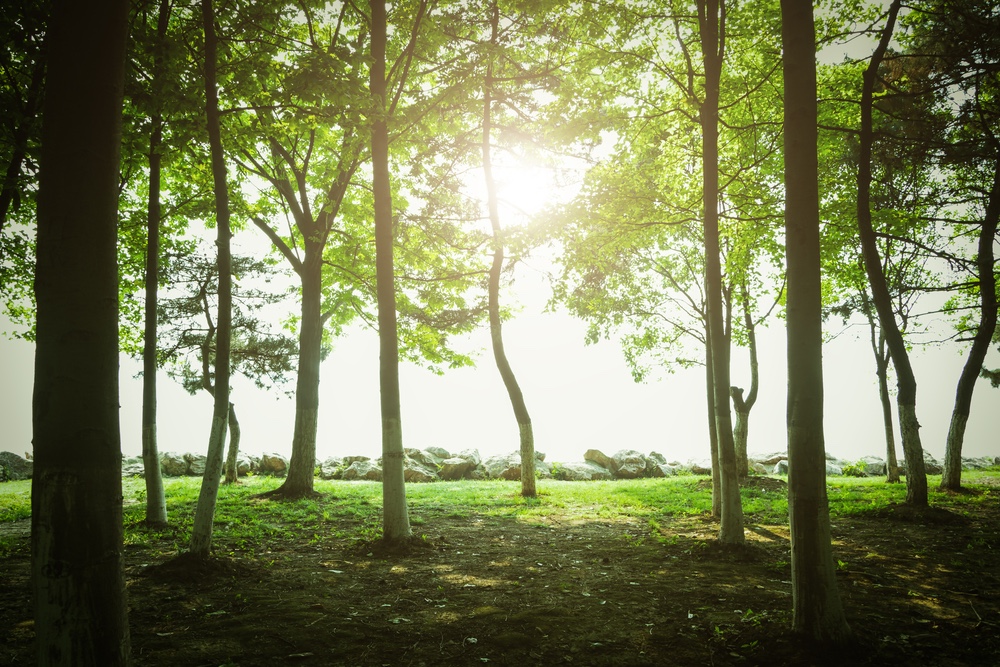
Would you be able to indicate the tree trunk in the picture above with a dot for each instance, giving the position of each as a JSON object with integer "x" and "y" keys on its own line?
{"x": 711, "y": 15}
{"x": 156, "y": 502}
{"x": 526, "y": 434}
{"x": 713, "y": 433}
{"x": 882, "y": 371}
{"x": 78, "y": 588}
{"x": 817, "y": 610}
{"x": 396, "y": 520}
{"x": 743, "y": 406}
{"x": 951, "y": 478}
{"x": 916, "y": 477}
{"x": 201, "y": 532}
{"x": 232, "y": 472}
{"x": 299, "y": 482}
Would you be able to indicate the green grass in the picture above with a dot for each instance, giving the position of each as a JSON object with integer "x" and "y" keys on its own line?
{"x": 352, "y": 510}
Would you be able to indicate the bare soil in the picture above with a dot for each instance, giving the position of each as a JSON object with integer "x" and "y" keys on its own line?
{"x": 920, "y": 588}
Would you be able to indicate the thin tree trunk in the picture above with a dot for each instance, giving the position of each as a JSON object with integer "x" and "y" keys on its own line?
{"x": 743, "y": 406}
{"x": 951, "y": 479}
{"x": 817, "y": 611}
{"x": 156, "y": 502}
{"x": 526, "y": 434}
{"x": 713, "y": 432}
{"x": 711, "y": 15}
{"x": 201, "y": 532}
{"x": 916, "y": 477}
{"x": 396, "y": 520}
{"x": 232, "y": 472}
{"x": 78, "y": 587}
{"x": 882, "y": 372}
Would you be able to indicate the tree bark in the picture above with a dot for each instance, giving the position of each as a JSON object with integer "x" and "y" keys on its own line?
{"x": 156, "y": 503}
{"x": 711, "y": 16}
{"x": 232, "y": 472}
{"x": 201, "y": 532}
{"x": 396, "y": 520}
{"x": 742, "y": 405}
{"x": 78, "y": 588}
{"x": 916, "y": 477}
{"x": 817, "y": 611}
{"x": 525, "y": 432}
{"x": 951, "y": 479}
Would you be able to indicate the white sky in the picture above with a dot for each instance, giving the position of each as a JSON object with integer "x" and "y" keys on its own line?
{"x": 579, "y": 397}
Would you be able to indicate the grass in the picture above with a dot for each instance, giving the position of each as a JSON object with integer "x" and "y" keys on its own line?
{"x": 352, "y": 510}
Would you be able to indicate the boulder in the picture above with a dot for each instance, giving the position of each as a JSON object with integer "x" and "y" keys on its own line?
{"x": 629, "y": 464}
{"x": 244, "y": 465}
{"x": 771, "y": 459}
{"x": 348, "y": 460}
{"x": 979, "y": 463}
{"x": 700, "y": 467}
{"x": 423, "y": 457}
{"x": 133, "y": 467}
{"x": 931, "y": 465}
{"x": 196, "y": 464}
{"x": 580, "y": 471}
{"x": 331, "y": 468}
{"x": 758, "y": 468}
{"x": 14, "y": 468}
{"x": 873, "y": 466}
{"x": 439, "y": 452}
{"x": 414, "y": 471}
{"x": 455, "y": 468}
{"x": 781, "y": 468}
{"x": 366, "y": 469}
{"x": 503, "y": 466}
{"x": 664, "y": 470}
{"x": 601, "y": 459}
{"x": 273, "y": 464}
{"x": 470, "y": 455}
{"x": 834, "y": 470}
{"x": 173, "y": 464}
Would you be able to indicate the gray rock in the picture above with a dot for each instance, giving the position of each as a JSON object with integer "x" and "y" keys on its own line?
{"x": 273, "y": 464}
{"x": 414, "y": 471}
{"x": 580, "y": 471}
{"x": 873, "y": 466}
{"x": 133, "y": 467}
{"x": 455, "y": 468}
{"x": 439, "y": 452}
{"x": 758, "y": 468}
{"x": 331, "y": 468}
{"x": 702, "y": 467}
{"x": 771, "y": 459}
{"x": 244, "y": 465}
{"x": 196, "y": 463}
{"x": 978, "y": 463}
{"x": 173, "y": 464}
{"x": 664, "y": 470}
{"x": 424, "y": 458}
{"x": 832, "y": 469}
{"x": 931, "y": 465}
{"x": 629, "y": 464}
{"x": 348, "y": 460}
{"x": 366, "y": 469}
{"x": 14, "y": 468}
{"x": 781, "y": 468}
{"x": 470, "y": 455}
{"x": 503, "y": 466}
{"x": 601, "y": 459}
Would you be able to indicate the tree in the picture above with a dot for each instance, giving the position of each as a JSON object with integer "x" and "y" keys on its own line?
{"x": 201, "y": 531}
{"x": 396, "y": 520}
{"x": 80, "y": 610}
{"x": 817, "y": 611}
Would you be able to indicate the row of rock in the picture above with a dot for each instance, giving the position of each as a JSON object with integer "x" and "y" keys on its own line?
{"x": 437, "y": 464}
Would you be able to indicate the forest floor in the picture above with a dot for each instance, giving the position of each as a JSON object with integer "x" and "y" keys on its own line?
{"x": 590, "y": 573}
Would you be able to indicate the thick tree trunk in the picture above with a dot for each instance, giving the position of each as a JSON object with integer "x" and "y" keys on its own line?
{"x": 156, "y": 503}
{"x": 201, "y": 532}
{"x": 951, "y": 479}
{"x": 232, "y": 472}
{"x": 916, "y": 477}
{"x": 526, "y": 434}
{"x": 817, "y": 611}
{"x": 299, "y": 483}
{"x": 396, "y": 520}
{"x": 78, "y": 589}
{"x": 711, "y": 16}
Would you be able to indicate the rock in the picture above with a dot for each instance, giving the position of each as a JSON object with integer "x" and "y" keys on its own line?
{"x": 781, "y": 468}
{"x": 414, "y": 471}
{"x": 503, "y": 466}
{"x": 664, "y": 470}
{"x": 540, "y": 456}
{"x": 273, "y": 464}
{"x": 196, "y": 463}
{"x": 629, "y": 464}
{"x": 331, "y": 468}
{"x": 470, "y": 455}
{"x": 580, "y": 471}
{"x": 702, "y": 467}
{"x": 873, "y": 466}
{"x": 455, "y": 468}
{"x": 348, "y": 460}
{"x": 244, "y": 465}
{"x": 424, "y": 458}
{"x": 771, "y": 459}
{"x": 133, "y": 467}
{"x": 439, "y": 452}
{"x": 601, "y": 459}
{"x": 832, "y": 469}
{"x": 14, "y": 468}
{"x": 173, "y": 464}
{"x": 758, "y": 468}
{"x": 366, "y": 469}
{"x": 931, "y": 465}
{"x": 979, "y": 463}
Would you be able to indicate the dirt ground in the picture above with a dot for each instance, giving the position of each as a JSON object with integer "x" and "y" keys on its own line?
{"x": 920, "y": 588}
